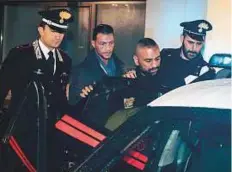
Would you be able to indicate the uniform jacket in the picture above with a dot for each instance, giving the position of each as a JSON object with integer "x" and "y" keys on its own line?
{"x": 16, "y": 73}
{"x": 88, "y": 72}
{"x": 176, "y": 72}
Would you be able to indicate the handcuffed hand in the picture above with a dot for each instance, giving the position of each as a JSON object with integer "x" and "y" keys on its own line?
{"x": 86, "y": 90}
{"x": 130, "y": 74}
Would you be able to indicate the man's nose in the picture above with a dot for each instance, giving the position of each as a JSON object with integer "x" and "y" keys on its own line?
{"x": 154, "y": 64}
{"x": 194, "y": 47}
{"x": 58, "y": 35}
{"x": 109, "y": 47}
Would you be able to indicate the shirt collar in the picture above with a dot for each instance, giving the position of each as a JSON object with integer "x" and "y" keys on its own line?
{"x": 45, "y": 49}
{"x": 108, "y": 68}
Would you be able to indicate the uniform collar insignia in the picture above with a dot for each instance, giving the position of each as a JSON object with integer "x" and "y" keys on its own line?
{"x": 60, "y": 58}
{"x": 38, "y": 53}
{"x": 37, "y": 49}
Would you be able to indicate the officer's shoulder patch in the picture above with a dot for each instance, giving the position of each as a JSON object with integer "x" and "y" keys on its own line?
{"x": 24, "y": 46}
{"x": 167, "y": 52}
{"x": 64, "y": 55}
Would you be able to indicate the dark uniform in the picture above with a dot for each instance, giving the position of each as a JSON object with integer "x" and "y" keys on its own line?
{"x": 24, "y": 64}
{"x": 175, "y": 70}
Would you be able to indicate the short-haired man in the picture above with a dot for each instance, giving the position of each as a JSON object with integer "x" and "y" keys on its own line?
{"x": 100, "y": 62}
{"x": 125, "y": 93}
{"x": 145, "y": 86}
{"x": 146, "y": 58}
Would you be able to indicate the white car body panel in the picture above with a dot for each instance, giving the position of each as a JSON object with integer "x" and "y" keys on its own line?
{"x": 206, "y": 94}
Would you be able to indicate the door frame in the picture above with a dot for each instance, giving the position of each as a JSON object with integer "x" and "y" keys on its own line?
{"x": 93, "y": 11}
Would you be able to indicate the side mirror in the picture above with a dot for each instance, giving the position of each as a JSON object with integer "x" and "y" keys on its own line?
{"x": 221, "y": 61}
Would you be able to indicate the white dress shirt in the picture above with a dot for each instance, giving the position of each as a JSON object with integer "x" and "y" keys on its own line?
{"x": 45, "y": 51}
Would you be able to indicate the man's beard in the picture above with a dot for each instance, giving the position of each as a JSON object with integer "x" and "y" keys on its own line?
{"x": 187, "y": 52}
{"x": 149, "y": 72}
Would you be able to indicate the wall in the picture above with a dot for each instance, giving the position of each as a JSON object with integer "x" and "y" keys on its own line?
{"x": 164, "y": 16}
{"x": 128, "y": 21}
{"x": 220, "y": 41}
{"x": 16, "y": 22}
{"x": 20, "y": 23}
{"x": 162, "y": 23}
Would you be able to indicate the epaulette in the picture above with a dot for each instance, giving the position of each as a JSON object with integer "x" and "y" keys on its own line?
{"x": 168, "y": 50}
{"x": 24, "y": 46}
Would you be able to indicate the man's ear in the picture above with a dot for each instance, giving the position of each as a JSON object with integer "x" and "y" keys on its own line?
{"x": 93, "y": 43}
{"x": 182, "y": 38}
{"x": 40, "y": 30}
{"x": 136, "y": 60}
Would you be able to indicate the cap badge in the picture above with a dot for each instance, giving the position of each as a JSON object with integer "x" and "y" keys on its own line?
{"x": 202, "y": 26}
{"x": 64, "y": 15}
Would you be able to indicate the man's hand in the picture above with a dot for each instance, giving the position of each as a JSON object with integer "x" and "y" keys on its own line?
{"x": 130, "y": 74}
{"x": 86, "y": 90}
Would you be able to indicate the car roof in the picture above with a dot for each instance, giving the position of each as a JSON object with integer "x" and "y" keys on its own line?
{"x": 206, "y": 94}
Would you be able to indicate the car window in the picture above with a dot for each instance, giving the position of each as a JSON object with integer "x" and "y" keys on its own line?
{"x": 154, "y": 134}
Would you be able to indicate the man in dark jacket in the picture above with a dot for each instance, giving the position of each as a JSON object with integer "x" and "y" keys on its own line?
{"x": 184, "y": 65}
{"x": 139, "y": 87}
{"x": 40, "y": 61}
{"x": 100, "y": 62}
{"x": 147, "y": 60}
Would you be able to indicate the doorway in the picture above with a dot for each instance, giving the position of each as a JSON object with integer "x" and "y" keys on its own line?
{"x": 126, "y": 17}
